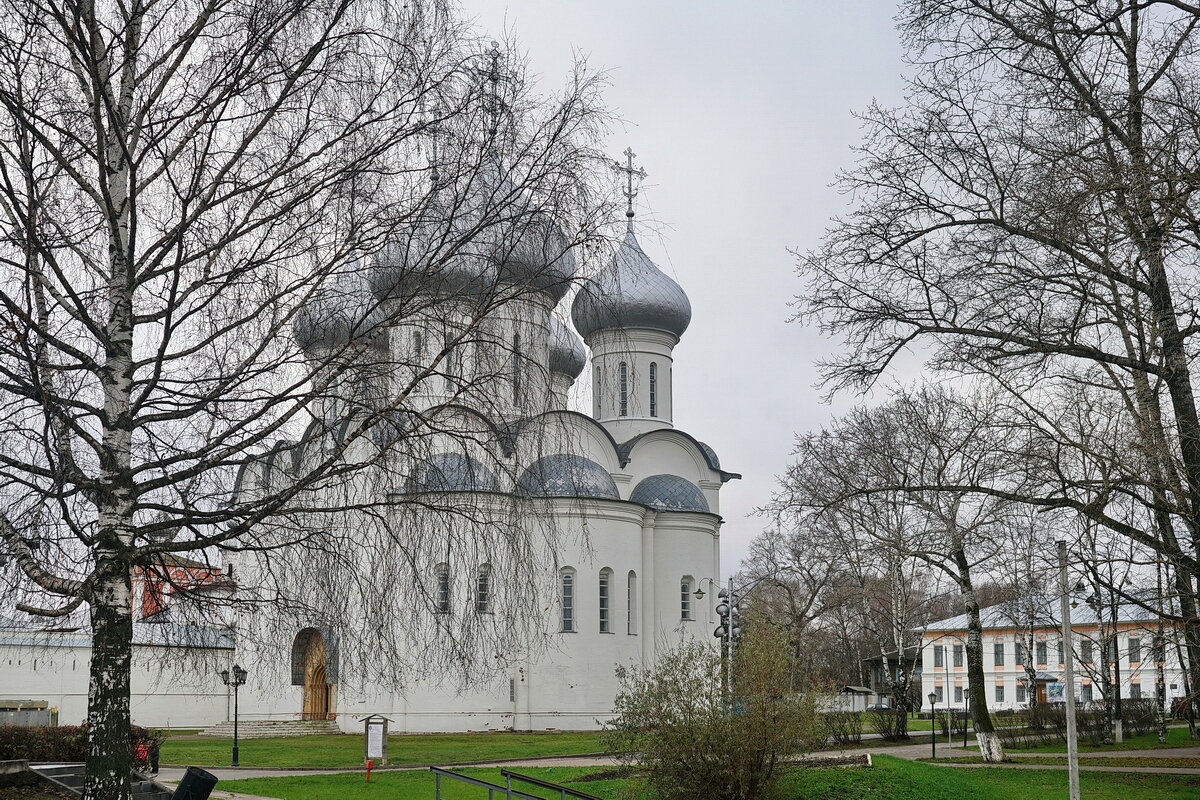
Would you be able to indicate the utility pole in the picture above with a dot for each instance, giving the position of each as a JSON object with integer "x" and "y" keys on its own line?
{"x": 1068, "y": 674}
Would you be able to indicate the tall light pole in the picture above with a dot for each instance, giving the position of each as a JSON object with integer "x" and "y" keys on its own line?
{"x": 933, "y": 724}
{"x": 731, "y": 625}
{"x": 234, "y": 679}
{"x": 1068, "y": 674}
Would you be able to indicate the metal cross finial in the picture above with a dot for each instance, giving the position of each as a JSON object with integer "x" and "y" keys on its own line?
{"x": 494, "y": 77}
{"x": 630, "y": 173}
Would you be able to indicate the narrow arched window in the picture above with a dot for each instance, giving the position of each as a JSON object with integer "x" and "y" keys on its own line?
{"x": 606, "y": 600}
{"x": 516, "y": 369}
{"x": 567, "y": 598}
{"x": 631, "y": 602}
{"x": 483, "y": 589}
{"x": 597, "y": 392}
{"x": 441, "y": 595}
{"x": 685, "y": 597}
{"x": 418, "y": 342}
{"x": 449, "y": 363}
{"x": 653, "y": 389}
{"x": 623, "y": 389}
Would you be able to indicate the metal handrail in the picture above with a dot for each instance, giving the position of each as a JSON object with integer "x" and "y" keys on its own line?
{"x": 563, "y": 791}
{"x": 494, "y": 789}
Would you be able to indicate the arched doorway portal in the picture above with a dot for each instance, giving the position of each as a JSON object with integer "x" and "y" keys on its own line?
{"x": 309, "y": 659}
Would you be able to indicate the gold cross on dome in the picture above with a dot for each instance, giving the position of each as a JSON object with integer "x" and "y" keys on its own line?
{"x": 630, "y": 173}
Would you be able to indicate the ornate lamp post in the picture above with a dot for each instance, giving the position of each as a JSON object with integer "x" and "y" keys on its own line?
{"x": 933, "y": 724}
{"x": 234, "y": 679}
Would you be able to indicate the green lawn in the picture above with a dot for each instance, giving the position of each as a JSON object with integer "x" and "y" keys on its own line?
{"x": 347, "y": 750}
{"x": 1087, "y": 761}
{"x": 409, "y": 785}
{"x": 891, "y": 779}
{"x": 1176, "y": 737}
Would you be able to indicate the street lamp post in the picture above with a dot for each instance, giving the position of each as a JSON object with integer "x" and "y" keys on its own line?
{"x": 966, "y": 714}
{"x": 933, "y": 724}
{"x": 731, "y": 625}
{"x": 234, "y": 679}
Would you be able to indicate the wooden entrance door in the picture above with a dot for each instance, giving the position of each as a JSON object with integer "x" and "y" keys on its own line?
{"x": 316, "y": 683}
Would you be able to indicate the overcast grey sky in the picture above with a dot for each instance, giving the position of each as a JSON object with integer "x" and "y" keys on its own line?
{"x": 742, "y": 115}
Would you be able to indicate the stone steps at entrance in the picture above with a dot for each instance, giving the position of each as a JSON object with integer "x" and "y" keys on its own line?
{"x": 265, "y": 729}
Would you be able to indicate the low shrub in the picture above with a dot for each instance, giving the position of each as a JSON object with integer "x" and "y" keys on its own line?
{"x": 952, "y": 722}
{"x": 1139, "y": 716}
{"x": 843, "y": 727}
{"x": 890, "y": 723}
{"x": 61, "y": 743}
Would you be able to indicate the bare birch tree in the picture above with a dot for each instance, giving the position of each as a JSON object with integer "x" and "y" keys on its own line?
{"x": 215, "y": 214}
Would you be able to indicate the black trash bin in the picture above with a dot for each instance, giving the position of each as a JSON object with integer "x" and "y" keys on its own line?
{"x": 197, "y": 784}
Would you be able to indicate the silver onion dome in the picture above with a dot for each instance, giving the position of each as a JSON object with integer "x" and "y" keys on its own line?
{"x": 567, "y": 353}
{"x": 464, "y": 243}
{"x": 442, "y": 256}
{"x": 669, "y": 493}
{"x": 567, "y": 475}
{"x": 341, "y": 312}
{"x": 450, "y": 472}
{"x": 631, "y": 293}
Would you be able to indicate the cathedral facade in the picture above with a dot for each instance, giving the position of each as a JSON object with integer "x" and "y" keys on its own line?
{"x": 632, "y": 500}
{"x": 616, "y": 512}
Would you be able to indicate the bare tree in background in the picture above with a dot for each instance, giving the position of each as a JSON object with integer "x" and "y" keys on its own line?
{"x": 185, "y": 186}
{"x": 912, "y": 453}
{"x": 1029, "y": 219}
{"x": 868, "y": 580}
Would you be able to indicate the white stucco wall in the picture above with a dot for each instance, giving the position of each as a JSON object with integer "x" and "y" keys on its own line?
{"x": 170, "y": 688}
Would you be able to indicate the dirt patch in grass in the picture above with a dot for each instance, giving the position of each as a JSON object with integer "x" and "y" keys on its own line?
{"x": 615, "y": 774}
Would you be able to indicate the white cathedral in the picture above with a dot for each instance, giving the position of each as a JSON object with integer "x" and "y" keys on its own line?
{"x": 634, "y": 501}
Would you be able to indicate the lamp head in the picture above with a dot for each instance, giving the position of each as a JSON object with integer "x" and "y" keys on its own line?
{"x": 932, "y": 698}
{"x": 698, "y": 594}
{"x": 224, "y": 676}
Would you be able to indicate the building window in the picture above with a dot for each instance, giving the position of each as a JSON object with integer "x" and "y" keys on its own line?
{"x": 1159, "y": 650}
{"x": 1086, "y": 693}
{"x": 418, "y": 341}
{"x": 1060, "y": 652}
{"x": 1040, "y": 649}
{"x": 1135, "y": 650}
{"x": 631, "y": 602}
{"x": 653, "y": 389}
{"x": 451, "y": 364}
{"x": 1135, "y": 691}
{"x": 685, "y": 597}
{"x": 999, "y": 693}
{"x": 998, "y": 653}
{"x": 939, "y": 656}
{"x": 597, "y": 392}
{"x": 605, "y": 600}
{"x": 567, "y": 599}
{"x": 623, "y": 389}
{"x": 1085, "y": 652}
{"x": 958, "y": 695}
{"x": 483, "y": 589}
{"x": 1020, "y": 692}
{"x": 516, "y": 369}
{"x": 1019, "y": 654}
{"x": 941, "y": 696}
{"x": 441, "y": 597}
{"x": 958, "y": 655}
